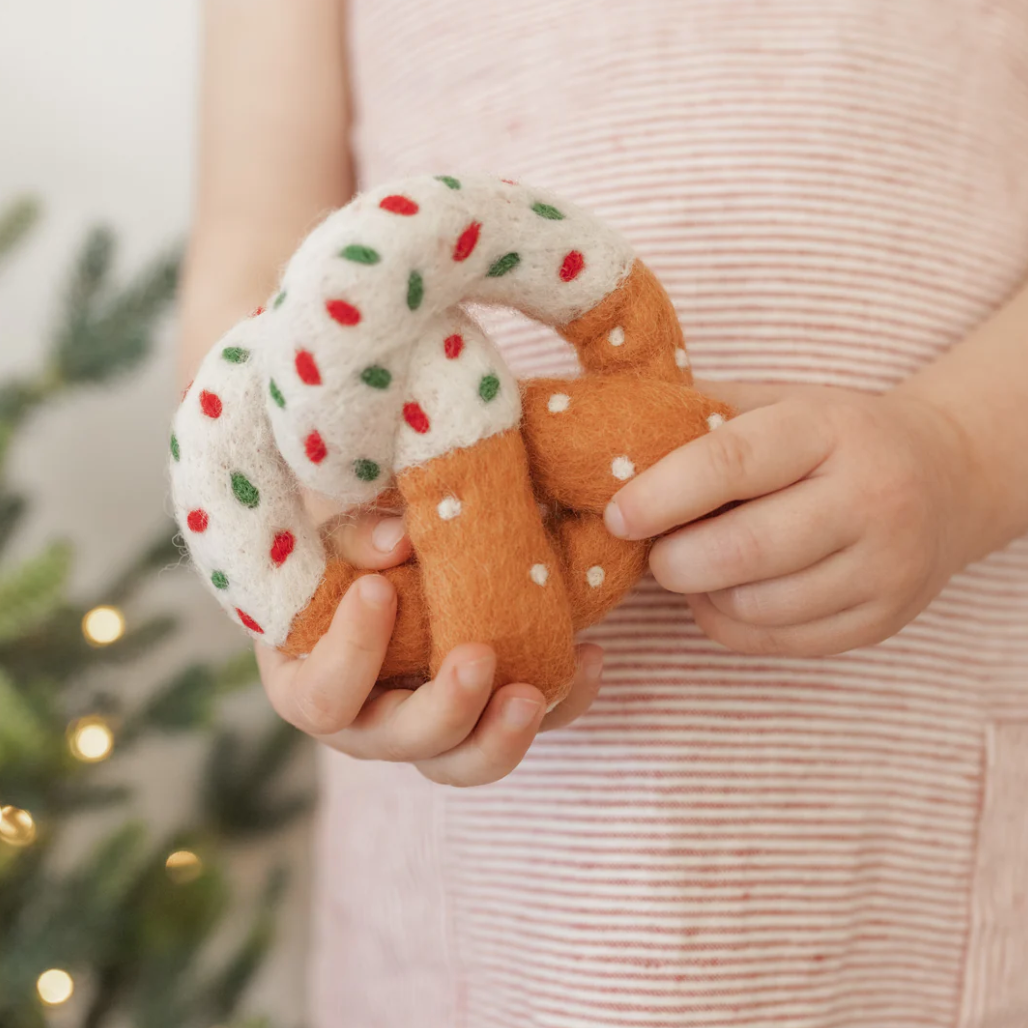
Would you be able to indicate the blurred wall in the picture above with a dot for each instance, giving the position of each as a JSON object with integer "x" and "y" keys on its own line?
{"x": 96, "y": 118}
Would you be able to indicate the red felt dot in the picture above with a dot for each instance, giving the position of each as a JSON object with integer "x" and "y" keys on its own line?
{"x": 573, "y": 264}
{"x": 397, "y": 204}
{"x": 415, "y": 417}
{"x": 249, "y": 621}
{"x": 509, "y": 181}
{"x": 197, "y": 520}
{"x": 307, "y": 368}
{"x": 466, "y": 241}
{"x": 210, "y": 404}
{"x": 343, "y": 312}
{"x": 453, "y": 346}
{"x": 315, "y": 447}
{"x": 256, "y": 311}
{"x": 282, "y": 547}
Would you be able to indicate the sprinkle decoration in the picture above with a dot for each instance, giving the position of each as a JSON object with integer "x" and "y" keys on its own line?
{"x": 235, "y": 355}
{"x": 210, "y": 404}
{"x": 256, "y": 312}
{"x": 176, "y": 454}
{"x": 449, "y": 181}
{"x": 544, "y": 210}
{"x": 219, "y": 579}
{"x": 376, "y": 376}
{"x": 453, "y": 345}
{"x": 360, "y": 254}
{"x": 276, "y": 393}
{"x": 467, "y": 241}
{"x": 416, "y": 417}
{"x": 366, "y": 470}
{"x": 415, "y": 290}
{"x": 281, "y": 547}
{"x": 506, "y": 263}
{"x": 314, "y": 447}
{"x": 572, "y": 266}
{"x": 399, "y": 205}
{"x": 244, "y": 490}
{"x": 279, "y": 300}
{"x": 488, "y": 387}
{"x": 307, "y": 368}
{"x": 249, "y": 622}
{"x": 342, "y": 312}
{"x": 197, "y": 520}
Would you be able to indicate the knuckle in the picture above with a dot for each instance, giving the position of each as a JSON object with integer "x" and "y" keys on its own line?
{"x": 323, "y": 714}
{"x": 730, "y": 454}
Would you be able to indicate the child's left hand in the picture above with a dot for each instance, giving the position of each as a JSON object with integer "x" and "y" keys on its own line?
{"x": 860, "y": 509}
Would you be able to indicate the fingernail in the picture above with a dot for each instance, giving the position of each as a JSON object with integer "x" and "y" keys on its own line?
{"x": 386, "y": 535}
{"x": 520, "y": 712}
{"x": 375, "y": 591}
{"x": 614, "y": 521}
{"x": 592, "y": 665}
{"x": 474, "y": 675}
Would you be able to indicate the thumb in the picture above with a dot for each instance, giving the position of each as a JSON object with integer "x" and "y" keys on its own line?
{"x": 747, "y": 396}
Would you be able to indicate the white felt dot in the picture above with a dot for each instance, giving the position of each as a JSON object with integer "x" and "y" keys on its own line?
{"x": 622, "y": 468}
{"x": 558, "y": 403}
{"x": 449, "y": 508}
{"x": 715, "y": 421}
{"x": 681, "y": 357}
{"x": 595, "y": 576}
{"x": 539, "y": 573}
{"x": 617, "y": 336}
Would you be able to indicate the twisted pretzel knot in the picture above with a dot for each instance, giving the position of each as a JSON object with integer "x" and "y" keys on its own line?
{"x": 366, "y": 381}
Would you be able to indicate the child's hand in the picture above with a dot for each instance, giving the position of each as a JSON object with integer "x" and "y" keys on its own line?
{"x": 859, "y": 512}
{"x": 454, "y": 729}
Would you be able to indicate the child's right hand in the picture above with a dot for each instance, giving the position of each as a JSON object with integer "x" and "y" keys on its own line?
{"x": 454, "y": 729}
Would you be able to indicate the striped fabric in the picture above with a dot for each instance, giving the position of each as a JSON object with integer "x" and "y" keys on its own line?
{"x": 832, "y": 191}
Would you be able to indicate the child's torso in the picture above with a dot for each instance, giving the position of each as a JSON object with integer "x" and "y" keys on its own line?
{"x": 831, "y": 192}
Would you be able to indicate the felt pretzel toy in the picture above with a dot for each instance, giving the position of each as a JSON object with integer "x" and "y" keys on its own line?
{"x": 366, "y": 381}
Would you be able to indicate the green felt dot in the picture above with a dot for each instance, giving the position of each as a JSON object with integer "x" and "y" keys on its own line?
{"x": 219, "y": 580}
{"x": 506, "y": 263}
{"x": 449, "y": 180}
{"x": 174, "y": 447}
{"x": 544, "y": 210}
{"x": 366, "y": 470}
{"x": 377, "y": 377}
{"x": 360, "y": 254}
{"x": 244, "y": 490}
{"x": 488, "y": 387}
{"x": 280, "y": 299}
{"x": 235, "y": 355}
{"x": 415, "y": 290}
{"x": 276, "y": 393}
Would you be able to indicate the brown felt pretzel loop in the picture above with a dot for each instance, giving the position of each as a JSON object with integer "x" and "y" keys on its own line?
{"x": 496, "y": 567}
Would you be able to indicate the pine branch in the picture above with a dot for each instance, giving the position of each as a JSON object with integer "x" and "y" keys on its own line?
{"x": 32, "y": 592}
{"x": 12, "y": 509}
{"x": 16, "y": 221}
{"x": 101, "y": 341}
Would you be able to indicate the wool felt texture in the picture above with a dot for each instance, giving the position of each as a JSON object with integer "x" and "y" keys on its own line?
{"x": 365, "y": 380}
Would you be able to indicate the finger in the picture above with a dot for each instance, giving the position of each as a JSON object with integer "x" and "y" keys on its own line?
{"x": 583, "y": 691}
{"x": 776, "y": 535}
{"x": 370, "y": 541}
{"x": 749, "y": 456}
{"x": 323, "y": 693}
{"x": 747, "y": 396}
{"x": 816, "y": 592}
{"x": 400, "y": 725}
{"x": 825, "y": 637}
{"x": 496, "y": 746}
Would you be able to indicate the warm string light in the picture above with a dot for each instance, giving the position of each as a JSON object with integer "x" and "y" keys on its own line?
{"x": 90, "y": 739}
{"x": 55, "y": 987}
{"x": 183, "y": 866}
{"x": 103, "y": 625}
{"x": 17, "y": 827}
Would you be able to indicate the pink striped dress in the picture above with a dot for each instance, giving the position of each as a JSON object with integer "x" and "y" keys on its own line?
{"x": 832, "y": 191}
